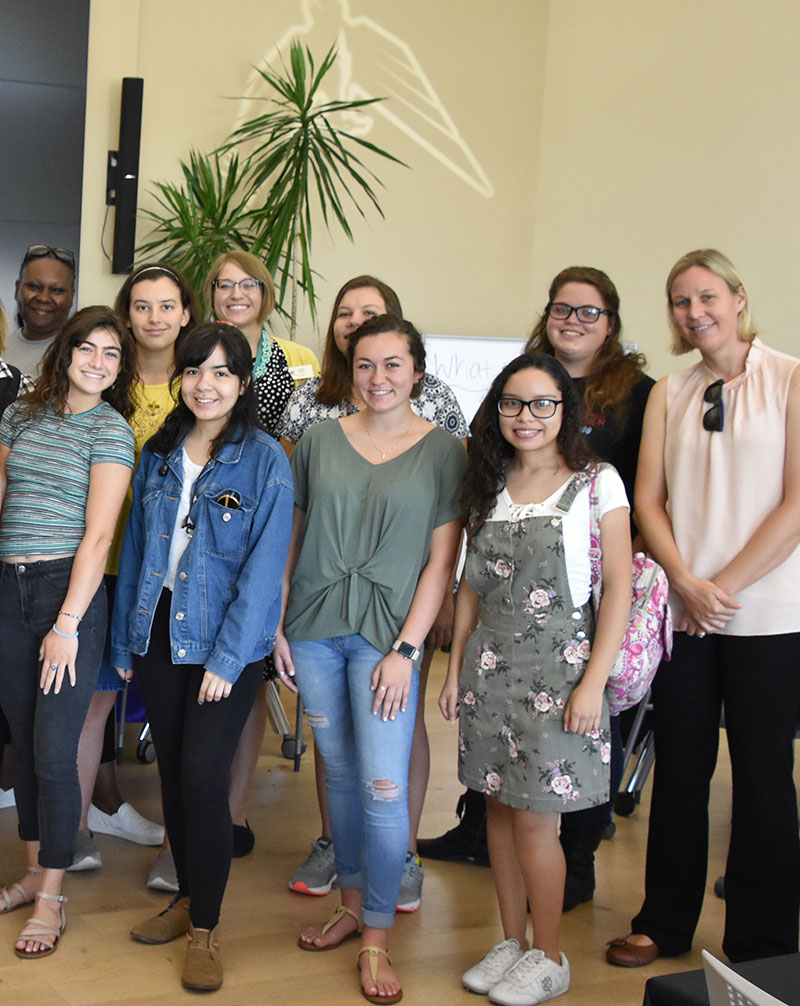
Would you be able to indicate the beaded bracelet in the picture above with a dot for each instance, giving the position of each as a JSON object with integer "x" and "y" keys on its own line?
{"x": 68, "y": 615}
{"x": 65, "y": 635}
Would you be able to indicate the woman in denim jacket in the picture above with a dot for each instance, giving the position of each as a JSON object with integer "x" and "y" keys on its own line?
{"x": 198, "y": 602}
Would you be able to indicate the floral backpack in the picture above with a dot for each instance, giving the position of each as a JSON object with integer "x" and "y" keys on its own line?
{"x": 648, "y": 636}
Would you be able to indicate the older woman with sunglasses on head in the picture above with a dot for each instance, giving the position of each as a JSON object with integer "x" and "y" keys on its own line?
{"x": 44, "y": 293}
{"x": 718, "y": 502}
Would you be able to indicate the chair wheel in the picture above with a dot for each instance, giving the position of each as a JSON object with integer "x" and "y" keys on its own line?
{"x": 287, "y": 747}
{"x": 146, "y": 752}
{"x": 625, "y": 804}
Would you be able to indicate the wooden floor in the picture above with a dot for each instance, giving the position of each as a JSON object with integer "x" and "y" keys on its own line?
{"x": 457, "y": 923}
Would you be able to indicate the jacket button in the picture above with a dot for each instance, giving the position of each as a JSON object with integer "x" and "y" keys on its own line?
{"x": 181, "y": 653}
{"x": 226, "y": 517}
{"x": 182, "y": 576}
{"x": 179, "y": 617}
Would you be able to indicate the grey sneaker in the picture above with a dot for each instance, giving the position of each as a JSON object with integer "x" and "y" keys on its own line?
{"x": 488, "y": 972}
{"x": 86, "y": 855}
{"x": 317, "y": 875}
{"x": 410, "y": 893}
{"x": 533, "y": 979}
{"x": 163, "y": 876}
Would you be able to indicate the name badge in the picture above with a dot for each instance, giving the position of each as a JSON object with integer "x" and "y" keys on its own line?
{"x": 302, "y": 372}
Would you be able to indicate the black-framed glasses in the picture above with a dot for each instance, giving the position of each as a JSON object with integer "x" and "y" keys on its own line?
{"x": 714, "y": 418}
{"x": 245, "y": 285}
{"x": 540, "y": 408}
{"x": 48, "y": 251}
{"x": 587, "y": 313}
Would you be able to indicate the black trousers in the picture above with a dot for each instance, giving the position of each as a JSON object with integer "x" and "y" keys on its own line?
{"x": 758, "y": 679}
{"x": 195, "y": 745}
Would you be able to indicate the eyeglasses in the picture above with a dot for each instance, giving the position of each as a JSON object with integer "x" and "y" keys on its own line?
{"x": 540, "y": 408}
{"x": 47, "y": 251}
{"x": 714, "y": 418}
{"x": 587, "y": 313}
{"x": 245, "y": 285}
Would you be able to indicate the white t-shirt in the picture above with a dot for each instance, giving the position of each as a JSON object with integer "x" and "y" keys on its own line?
{"x": 25, "y": 354}
{"x": 575, "y": 524}
{"x": 181, "y": 533}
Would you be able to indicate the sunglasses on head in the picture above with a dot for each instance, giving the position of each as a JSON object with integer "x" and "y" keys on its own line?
{"x": 47, "y": 251}
{"x": 714, "y": 418}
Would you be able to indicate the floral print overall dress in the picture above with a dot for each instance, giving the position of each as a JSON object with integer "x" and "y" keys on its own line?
{"x": 521, "y": 663}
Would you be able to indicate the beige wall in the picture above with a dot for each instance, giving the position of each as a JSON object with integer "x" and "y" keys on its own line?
{"x": 452, "y": 254}
{"x": 617, "y": 134}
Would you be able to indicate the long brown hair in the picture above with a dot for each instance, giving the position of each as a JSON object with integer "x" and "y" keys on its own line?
{"x": 614, "y": 373}
{"x": 52, "y": 388}
{"x": 336, "y": 381}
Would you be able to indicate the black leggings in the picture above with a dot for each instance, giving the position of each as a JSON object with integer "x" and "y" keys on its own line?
{"x": 758, "y": 679}
{"x": 195, "y": 745}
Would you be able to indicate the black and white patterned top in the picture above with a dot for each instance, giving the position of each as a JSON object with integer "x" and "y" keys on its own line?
{"x": 273, "y": 390}
{"x": 435, "y": 402}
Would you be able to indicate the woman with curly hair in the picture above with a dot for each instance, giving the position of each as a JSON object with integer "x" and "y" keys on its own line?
{"x": 66, "y": 454}
{"x": 529, "y": 659}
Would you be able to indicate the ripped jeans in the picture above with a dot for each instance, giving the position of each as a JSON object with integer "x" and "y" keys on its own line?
{"x": 366, "y": 767}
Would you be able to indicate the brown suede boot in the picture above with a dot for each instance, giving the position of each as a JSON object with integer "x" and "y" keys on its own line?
{"x": 167, "y": 925}
{"x": 202, "y": 968}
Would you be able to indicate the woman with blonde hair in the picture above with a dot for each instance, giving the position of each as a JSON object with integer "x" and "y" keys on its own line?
{"x": 718, "y": 503}
{"x": 240, "y": 290}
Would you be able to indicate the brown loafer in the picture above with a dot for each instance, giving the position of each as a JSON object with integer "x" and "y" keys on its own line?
{"x": 167, "y": 925}
{"x": 202, "y": 969}
{"x": 630, "y": 955}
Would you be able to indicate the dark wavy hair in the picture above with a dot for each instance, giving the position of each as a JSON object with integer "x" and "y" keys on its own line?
{"x": 383, "y": 323}
{"x": 52, "y": 388}
{"x": 613, "y": 373}
{"x": 336, "y": 374}
{"x": 490, "y": 452}
{"x": 196, "y": 349}
{"x": 153, "y": 271}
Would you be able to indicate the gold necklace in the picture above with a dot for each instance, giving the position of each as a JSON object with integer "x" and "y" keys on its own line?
{"x": 388, "y": 449}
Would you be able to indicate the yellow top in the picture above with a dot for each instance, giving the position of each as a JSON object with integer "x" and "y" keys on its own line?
{"x": 154, "y": 402}
{"x": 302, "y": 361}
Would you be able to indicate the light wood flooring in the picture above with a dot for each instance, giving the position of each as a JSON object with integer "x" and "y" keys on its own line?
{"x": 98, "y": 965}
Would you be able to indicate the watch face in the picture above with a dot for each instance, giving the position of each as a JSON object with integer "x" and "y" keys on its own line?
{"x": 407, "y": 650}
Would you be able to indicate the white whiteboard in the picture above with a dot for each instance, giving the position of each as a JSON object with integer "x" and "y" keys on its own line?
{"x": 469, "y": 364}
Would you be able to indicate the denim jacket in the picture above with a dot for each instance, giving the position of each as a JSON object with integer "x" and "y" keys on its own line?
{"x": 227, "y": 596}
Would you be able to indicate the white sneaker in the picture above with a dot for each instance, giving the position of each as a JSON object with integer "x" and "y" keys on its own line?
{"x": 162, "y": 876}
{"x": 7, "y": 798}
{"x": 127, "y": 823}
{"x": 533, "y": 979}
{"x": 488, "y": 972}
{"x": 86, "y": 855}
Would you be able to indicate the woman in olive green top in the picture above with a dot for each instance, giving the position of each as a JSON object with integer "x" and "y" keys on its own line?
{"x": 375, "y": 534}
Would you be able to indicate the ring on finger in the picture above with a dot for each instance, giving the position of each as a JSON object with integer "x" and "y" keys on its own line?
{"x": 54, "y": 667}
{"x": 382, "y": 688}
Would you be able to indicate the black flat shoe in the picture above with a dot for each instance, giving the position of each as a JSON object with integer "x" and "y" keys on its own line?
{"x": 243, "y": 840}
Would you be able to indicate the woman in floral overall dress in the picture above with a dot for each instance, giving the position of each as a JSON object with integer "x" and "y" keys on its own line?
{"x": 528, "y": 667}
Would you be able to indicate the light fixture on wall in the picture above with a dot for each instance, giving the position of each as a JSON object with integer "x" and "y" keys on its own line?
{"x": 122, "y": 174}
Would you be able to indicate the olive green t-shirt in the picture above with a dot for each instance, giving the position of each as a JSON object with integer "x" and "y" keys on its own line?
{"x": 368, "y": 532}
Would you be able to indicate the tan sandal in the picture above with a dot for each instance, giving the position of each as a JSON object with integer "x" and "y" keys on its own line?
{"x": 6, "y": 904}
{"x": 337, "y": 916}
{"x": 42, "y": 932}
{"x": 374, "y": 953}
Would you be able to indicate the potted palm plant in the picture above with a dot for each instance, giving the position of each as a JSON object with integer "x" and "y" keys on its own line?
{"x": 260, "y": 190}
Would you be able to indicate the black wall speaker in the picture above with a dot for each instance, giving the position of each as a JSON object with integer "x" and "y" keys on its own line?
{"x": 122, "y": 180}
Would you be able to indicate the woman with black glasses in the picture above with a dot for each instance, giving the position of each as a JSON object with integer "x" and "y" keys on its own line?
{"x": 240, "y": 290}
{"x": 718, "y": 503}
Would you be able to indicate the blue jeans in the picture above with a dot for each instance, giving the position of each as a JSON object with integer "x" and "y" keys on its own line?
{"x": 366, "y": 767}
{"x": 45, "y": 728}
